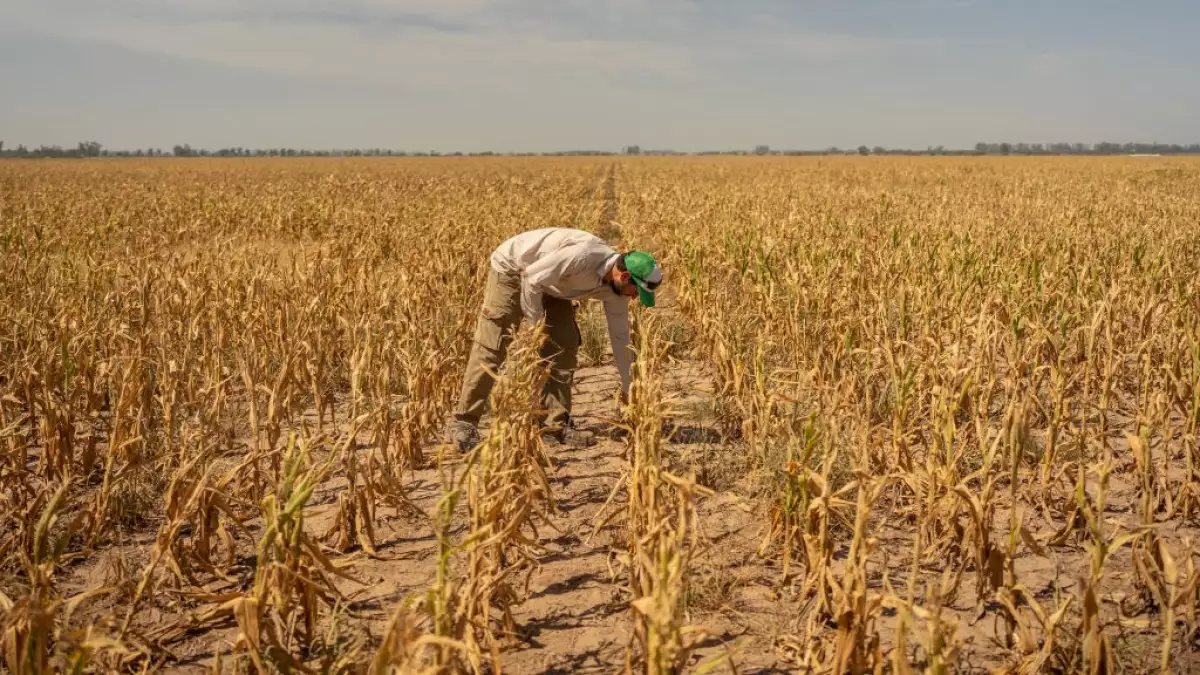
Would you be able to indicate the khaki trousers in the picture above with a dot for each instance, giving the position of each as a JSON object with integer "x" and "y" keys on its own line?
{"x": 498, "y": 320}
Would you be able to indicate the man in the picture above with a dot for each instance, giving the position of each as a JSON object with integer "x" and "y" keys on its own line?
{"x": 536, "y": 275}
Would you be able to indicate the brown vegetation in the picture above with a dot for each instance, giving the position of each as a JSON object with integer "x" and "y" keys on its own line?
{"x": 959, "y": 400}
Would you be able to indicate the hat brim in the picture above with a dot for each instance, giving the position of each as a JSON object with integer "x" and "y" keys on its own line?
{"x": 646, "y": 296}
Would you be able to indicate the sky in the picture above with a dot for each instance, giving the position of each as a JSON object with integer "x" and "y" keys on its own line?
{"x": 547, "y": 75}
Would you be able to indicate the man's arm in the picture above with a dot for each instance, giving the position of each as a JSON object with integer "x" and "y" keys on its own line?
{"x": 617, "y": 313}
{"x": 531, "y": 300}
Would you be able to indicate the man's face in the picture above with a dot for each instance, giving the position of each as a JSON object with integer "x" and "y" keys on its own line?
{"x": 622, "y": 284}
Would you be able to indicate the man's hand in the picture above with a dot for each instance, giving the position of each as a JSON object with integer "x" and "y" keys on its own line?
{"x": 623, "y": 420}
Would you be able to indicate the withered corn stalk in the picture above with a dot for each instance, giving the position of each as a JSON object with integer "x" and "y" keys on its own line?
{"x": 508, "y": 496}
{"x": 664, "y": 532}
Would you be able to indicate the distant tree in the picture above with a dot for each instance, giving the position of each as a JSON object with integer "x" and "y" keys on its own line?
{"x": 89, "y": 149}
{"x": 878, "y": 150}
{"x": 633, "y": 150}
{"x": 762, "y": 149}
{"x": 51, "y": 151}
{"x": 864, "y": 150}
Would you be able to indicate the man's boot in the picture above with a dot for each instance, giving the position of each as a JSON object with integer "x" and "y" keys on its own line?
{"x": 462, "y": 435}
{"x": 570, "y": 435}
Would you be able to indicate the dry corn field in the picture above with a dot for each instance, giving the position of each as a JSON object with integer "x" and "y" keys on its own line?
{"x": 891, "y": 415}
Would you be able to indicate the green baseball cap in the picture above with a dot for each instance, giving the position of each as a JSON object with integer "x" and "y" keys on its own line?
{"x": 646, "y": 273}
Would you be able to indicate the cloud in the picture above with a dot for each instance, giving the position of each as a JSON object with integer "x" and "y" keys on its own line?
{"x": 438, "y": 44}
{"x": 267, "y": 14}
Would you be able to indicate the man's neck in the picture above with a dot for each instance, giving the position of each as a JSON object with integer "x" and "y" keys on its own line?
{"x": 611, "y": 265}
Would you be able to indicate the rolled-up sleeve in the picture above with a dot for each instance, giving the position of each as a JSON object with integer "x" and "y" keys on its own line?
{"x": 617, "y": 314}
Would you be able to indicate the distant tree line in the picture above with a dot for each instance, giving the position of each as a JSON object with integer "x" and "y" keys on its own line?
{"x": 1086, "y": 149}
{"x": 83, "y": 149}
{"x": 94, "y": 149}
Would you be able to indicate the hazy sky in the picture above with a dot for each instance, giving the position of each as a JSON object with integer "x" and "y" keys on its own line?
{"x": 565, "y": 74}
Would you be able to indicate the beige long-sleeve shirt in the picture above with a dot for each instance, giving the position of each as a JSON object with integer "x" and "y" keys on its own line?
{"x": 569, "y": 264}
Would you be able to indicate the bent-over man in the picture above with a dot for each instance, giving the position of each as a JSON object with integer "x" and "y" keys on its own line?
{"x": 540, "y": 274}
